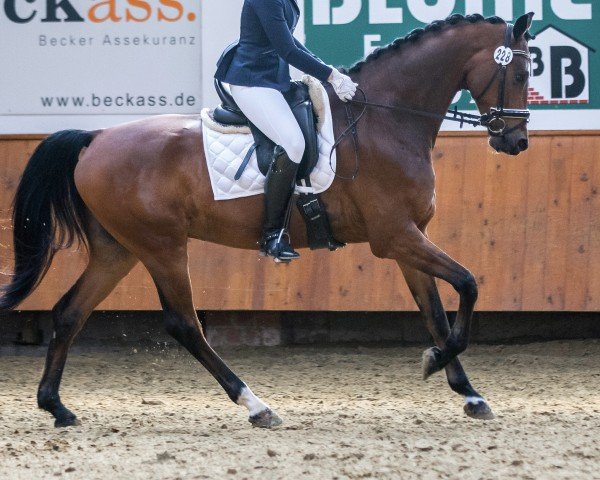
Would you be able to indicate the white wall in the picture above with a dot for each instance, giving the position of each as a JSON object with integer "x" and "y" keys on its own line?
{"x": 220, "y": 27}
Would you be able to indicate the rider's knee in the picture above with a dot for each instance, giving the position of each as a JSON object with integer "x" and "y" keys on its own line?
{"x": 294, "y": 147}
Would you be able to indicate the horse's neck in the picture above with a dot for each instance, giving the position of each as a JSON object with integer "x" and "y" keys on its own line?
{"x": 423, "y": 77}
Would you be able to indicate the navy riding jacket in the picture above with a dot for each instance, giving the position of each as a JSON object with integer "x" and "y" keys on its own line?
{"x": 266, "y": 48}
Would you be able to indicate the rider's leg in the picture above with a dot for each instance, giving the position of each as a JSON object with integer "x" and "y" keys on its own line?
{"x": 279, "y": 187}
{"x": 267, "y": 109}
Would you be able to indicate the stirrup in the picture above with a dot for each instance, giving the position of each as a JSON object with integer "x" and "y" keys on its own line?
{"x": 276, "y": 244}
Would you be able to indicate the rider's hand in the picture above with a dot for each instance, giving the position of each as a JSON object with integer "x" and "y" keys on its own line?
{"x": 342, "y": 85}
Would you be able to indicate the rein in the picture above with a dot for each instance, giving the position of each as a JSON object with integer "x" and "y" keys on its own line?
{"x": 494, "y": 120}
{"x": 452, "y": 115}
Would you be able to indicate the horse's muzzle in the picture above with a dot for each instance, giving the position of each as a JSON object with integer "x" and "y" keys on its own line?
{"x": 511, "y": 144}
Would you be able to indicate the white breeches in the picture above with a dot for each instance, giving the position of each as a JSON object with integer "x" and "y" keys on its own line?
{"x": 267, "y": 109}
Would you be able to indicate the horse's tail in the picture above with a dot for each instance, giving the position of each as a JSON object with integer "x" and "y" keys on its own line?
{"x": 48, "y": 213}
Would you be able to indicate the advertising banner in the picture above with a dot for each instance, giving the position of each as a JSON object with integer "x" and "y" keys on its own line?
{"x": 564, "y": 89}
{"x": 87, "y": 64}
{"x": 95, "y": 63}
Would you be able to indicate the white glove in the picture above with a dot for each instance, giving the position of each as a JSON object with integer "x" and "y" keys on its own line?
{"x": 342, "y": 85}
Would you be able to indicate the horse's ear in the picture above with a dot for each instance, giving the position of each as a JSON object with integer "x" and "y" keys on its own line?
{"x": 522, "y": 25}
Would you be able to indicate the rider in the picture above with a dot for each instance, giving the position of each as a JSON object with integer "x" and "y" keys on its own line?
{"x": 257, "y": 69}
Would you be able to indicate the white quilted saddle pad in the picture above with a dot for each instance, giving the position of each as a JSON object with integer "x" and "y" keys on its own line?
{"x": 225, "y": 147}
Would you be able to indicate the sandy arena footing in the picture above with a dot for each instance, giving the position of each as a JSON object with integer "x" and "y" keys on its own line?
{"x": 348, "y": 412}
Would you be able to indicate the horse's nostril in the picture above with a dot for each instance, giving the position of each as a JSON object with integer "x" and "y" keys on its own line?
{"x": 523, "y": 144}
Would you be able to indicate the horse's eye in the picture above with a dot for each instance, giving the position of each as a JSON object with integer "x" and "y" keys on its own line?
{"x": 520, "y": 77}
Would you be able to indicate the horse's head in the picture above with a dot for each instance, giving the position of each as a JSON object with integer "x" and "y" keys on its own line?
{"x": 498, "y": 81}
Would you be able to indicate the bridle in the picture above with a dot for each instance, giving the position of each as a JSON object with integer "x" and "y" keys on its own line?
{"x": 494, "y": 120}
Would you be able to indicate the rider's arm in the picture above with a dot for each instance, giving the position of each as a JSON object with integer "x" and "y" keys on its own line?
{"x": 271, "y": 16}
{"x": 303, "y": 48}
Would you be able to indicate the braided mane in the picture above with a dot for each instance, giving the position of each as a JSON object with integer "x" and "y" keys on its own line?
{"x": 417, "y": 33}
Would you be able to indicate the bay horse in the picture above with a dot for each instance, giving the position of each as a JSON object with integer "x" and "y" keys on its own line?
{"x": 138, "y": 191}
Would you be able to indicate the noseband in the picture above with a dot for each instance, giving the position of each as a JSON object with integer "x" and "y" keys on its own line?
{"x": 495, "y": 121}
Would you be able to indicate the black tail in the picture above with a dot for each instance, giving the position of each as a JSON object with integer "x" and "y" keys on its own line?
{"x": 48, "y": 212}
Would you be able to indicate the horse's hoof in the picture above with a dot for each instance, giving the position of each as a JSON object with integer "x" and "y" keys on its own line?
{"x": 430, "y": 362}
{"x": 265, "y": 419}
{"x": 67, "y": 422}
{"x": 480, "y": 410}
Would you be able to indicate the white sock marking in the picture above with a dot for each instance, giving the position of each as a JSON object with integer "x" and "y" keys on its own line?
{"x": 254, "y": 404}
{"x": 474, "y": 400}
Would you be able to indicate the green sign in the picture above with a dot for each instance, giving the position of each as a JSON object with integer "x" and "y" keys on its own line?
{"x": 566, "y": 68}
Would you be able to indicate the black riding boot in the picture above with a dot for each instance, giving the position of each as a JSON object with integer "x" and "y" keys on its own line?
{"x": 279, "y": 187}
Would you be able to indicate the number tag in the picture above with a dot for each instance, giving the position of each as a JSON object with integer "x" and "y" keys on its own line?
{"x": 503, "y": 56}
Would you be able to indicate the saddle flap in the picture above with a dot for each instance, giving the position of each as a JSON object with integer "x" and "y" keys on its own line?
{"x": 264, "y": 149}
{"x": 302, "y": 108}
{"x": 297, "y": 93}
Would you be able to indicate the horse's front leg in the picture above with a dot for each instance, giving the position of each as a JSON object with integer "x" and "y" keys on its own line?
{"x": 425, "y": 293}
{"x": 412, "y": 248}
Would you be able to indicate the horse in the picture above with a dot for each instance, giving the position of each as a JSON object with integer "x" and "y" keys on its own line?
{"x": 138, "y": 191}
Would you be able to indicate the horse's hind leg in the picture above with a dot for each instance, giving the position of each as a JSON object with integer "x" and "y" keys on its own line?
{"x": 425, "y": 293}
{"x": 109, "y": 262}
{"x": 170, "y": 273}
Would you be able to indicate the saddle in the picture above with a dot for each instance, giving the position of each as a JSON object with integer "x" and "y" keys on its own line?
{"x": 309, "y": 204}
{"x": 298, "y": 98}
